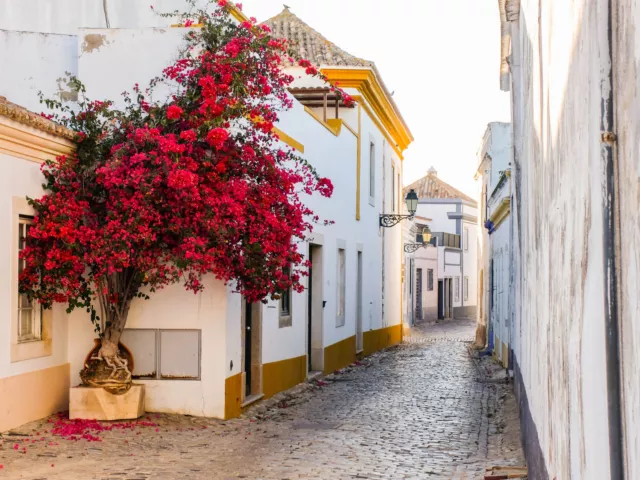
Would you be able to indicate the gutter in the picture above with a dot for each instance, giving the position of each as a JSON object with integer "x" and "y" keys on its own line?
{"x": 610, "y": 237}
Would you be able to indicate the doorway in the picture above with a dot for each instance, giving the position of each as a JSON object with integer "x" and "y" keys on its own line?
{"x": 247, "y": 349}
{"x": 252, "y": 350}
{"x": 440, "y": 299}
{"x": 359, "y": 334}
{"x": 419, "y": 295}
{"x": 315, "y": 305}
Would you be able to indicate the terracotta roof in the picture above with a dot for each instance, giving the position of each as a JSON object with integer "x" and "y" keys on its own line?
{"x": 310, "y": 44}
{"x": 26, "y": 117}
{"x": 430, "y": 186}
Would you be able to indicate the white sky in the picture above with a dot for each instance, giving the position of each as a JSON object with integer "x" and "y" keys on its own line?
{"x": 441, "y": 57}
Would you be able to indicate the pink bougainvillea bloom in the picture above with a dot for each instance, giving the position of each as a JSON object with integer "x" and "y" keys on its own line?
{"x": 217, "y": 137}
{"x": 174, "y": 112}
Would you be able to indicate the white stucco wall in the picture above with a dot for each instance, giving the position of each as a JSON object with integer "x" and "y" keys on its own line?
{"x": 559, "y": 347}
{"x": 55, "y": 17}
{"x": 34, "y": 62}
{"x": 627, "y": 46}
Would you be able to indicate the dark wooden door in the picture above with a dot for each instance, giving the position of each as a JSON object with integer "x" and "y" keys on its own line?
{"x": 247, "y": 347}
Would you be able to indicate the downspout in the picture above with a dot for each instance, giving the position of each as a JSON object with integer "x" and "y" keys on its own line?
{"x": 106, "y": 13}
{"x": 610, "y": 233}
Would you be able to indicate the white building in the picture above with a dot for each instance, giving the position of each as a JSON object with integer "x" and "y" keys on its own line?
{"x": 571, "y": 70}
{"x": 495, "y": 261}
{"x": 213, "y": 354}
{"x": 421, "y": 274}
{"x": 454, "y": 226}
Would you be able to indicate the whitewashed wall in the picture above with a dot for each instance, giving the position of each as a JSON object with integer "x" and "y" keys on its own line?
{"x": 34, "y": 62}
{"x": 426, "y": 259}
{"x": 627, "y": 88}
{"x": 559, "y": 347}
{"x": 66, "y": 16}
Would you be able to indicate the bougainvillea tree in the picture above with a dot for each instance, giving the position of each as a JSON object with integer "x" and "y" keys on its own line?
{"x": 160, "y": 193}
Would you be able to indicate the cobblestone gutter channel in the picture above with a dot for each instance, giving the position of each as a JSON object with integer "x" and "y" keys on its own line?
{"x": 416, "y": 411}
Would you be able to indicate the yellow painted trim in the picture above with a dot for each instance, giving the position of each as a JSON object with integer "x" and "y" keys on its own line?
{"x": 289, "y": 140}
{"x": 283, "y": 375}
{"x": 359, "y": 163}
{"x": 233, "y": 396}
{"x": 339, "y": 355}
{"x": 332, "y": 129}
{"x": 237, "y": 13}
{"x": 33, "y": 395}
{"x": 378, "y": 124}
{"x": 366, "y": 82}
{"x": 505, "y": 355}
{"x": 351, "y": 129}
{"x": 375, "y": 340}
{"x": 501, "y": 212}
{"x": 30, "y": 143}
{"x": 335, "y": 124}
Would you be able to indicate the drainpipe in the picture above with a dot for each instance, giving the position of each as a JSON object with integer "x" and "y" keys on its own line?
{"x": 610, "y": 233}
{"x": 106, "y": 13}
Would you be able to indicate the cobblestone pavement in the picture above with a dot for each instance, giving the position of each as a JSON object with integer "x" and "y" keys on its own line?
{"x": 416, "y": 411}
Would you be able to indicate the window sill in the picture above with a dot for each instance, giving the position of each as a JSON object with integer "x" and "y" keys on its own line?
{"x": 30, "y": 350}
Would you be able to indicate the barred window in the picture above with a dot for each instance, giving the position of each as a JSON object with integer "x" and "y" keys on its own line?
{"x": 430, "y": 279}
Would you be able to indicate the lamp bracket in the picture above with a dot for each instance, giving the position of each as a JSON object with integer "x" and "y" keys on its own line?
{"x": 389, "y": 219}
{"x": 413, "y": 247}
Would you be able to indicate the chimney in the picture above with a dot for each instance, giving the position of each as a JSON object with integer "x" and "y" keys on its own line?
{"x": 432, "y": 171}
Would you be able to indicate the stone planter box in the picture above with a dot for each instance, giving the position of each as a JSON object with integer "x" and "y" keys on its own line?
{"x": 89, "y": 403}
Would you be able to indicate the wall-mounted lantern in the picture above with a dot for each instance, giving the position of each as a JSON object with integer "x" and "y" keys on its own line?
{"x": 391, "y": 219}
{"x": 422, "y": 240}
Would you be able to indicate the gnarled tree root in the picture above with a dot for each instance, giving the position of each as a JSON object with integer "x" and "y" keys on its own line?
{"x": 111, "y": 373}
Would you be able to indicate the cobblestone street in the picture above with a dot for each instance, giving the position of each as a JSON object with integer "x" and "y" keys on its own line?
{"x": 417, "y": 411}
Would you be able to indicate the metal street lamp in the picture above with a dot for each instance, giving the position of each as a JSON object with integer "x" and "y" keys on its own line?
{"x": 423, "y": 240}
{"x": 391, "y": 219}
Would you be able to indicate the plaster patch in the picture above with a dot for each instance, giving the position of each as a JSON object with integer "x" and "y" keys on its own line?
{"x": 93, "y": 41}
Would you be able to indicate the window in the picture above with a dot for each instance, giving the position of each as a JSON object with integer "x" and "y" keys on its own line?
{"x": 466, "y": 238}
{"x": 372, "y": 172}
{"x": 340, "y": 320}
{"x": 31, "y": 325}
{"x": 393, "y": 188}
{"x": 285, "y": 308}
{"x": 399, "y": 190}
{"x": 457, "y": 289}
{"x": 466, "y": 288}
{"x": 29, "y": 312}
{"x": 430, "y": 279}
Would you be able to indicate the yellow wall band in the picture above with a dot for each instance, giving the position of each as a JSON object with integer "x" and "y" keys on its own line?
{"x": 233, "y": 396}
{"x": 375, "y": 340}
{"x": 283, "y": 375}
{"x": 41, "y": 393}
{"x": 339, "y": 355}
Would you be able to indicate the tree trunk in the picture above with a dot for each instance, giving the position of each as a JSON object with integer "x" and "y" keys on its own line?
{"x": 108, "y": 369}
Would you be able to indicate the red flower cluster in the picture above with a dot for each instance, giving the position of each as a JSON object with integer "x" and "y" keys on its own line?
{"x": 158, "y": 194}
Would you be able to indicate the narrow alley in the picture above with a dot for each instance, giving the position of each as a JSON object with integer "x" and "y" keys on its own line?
{"x": 419, "y": 410}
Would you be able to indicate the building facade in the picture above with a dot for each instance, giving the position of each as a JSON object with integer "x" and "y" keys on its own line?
{"x": 454, "y": 227}
{"x": 495, "y": 268}
{"x": 571, "y": 70}
{"x": 213, "y": 354}
{"x": 421, "y": 274}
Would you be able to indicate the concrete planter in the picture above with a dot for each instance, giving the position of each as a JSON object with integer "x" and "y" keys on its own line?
{"x": 90, "y": 403}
